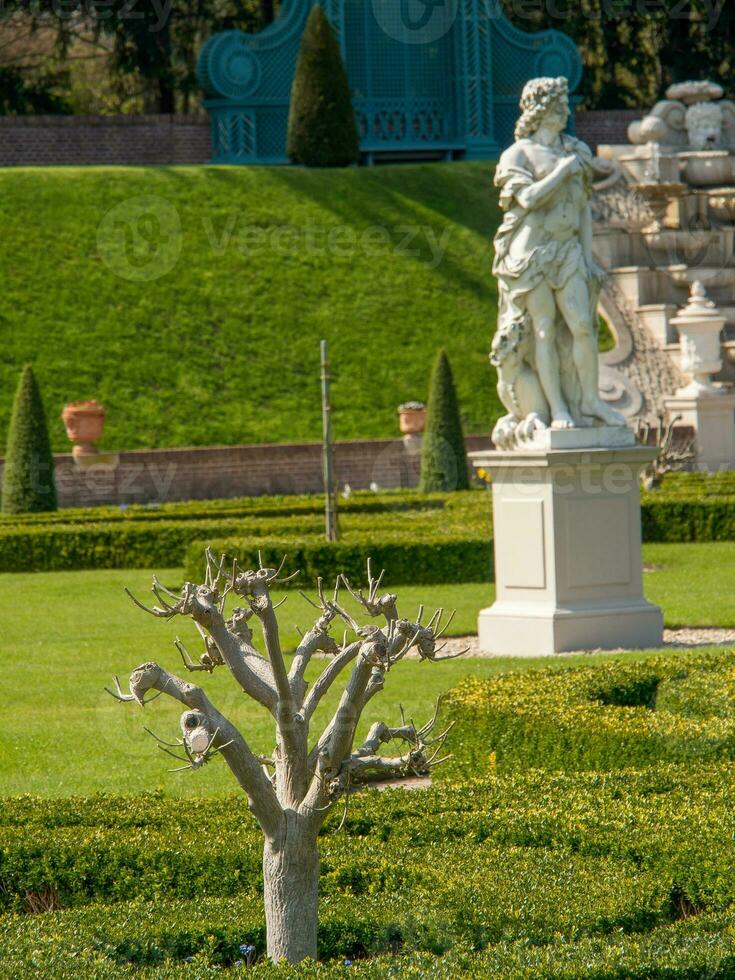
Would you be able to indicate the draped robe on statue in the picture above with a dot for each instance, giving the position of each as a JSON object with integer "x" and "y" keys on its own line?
{"x": 526, "y": 255}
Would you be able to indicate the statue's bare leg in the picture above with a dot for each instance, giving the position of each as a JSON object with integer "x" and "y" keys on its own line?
{"x": 576, "y": 308}
{"x": 541, "y": 308}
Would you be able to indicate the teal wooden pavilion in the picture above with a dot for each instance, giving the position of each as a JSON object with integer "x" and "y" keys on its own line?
{"x": 429, "y": 78}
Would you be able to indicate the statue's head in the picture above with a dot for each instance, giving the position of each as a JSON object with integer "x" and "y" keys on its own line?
{"x": 704, "y": 125}
{"x": 543, "y": 100}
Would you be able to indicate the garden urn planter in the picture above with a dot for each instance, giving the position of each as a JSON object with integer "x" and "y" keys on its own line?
{"x": 412, "y": 418}
{"x": 84, "y": 423}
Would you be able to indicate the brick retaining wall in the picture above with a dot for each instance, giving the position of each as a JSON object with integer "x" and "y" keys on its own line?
{"x": 120, "y": 140}
{"x": 600, "y": 126}
{"x": 154, "y": 139}
{"x": 146, "y": 476}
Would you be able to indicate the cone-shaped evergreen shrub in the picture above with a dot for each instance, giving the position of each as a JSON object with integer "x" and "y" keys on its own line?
{"x": 28, "y": 478}
{"x": 321, "y": 122}
{"x": 444, "y": 458}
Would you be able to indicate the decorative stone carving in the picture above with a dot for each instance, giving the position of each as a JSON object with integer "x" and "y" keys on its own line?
{"x": 681, "y": 171}
{"x": 704, "y": 406}
{"x": 693, "y": 115}
{"x": 545, "y": 346}
{"x": 691, "y": 93}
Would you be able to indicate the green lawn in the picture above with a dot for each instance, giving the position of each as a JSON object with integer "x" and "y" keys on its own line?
{"x": 387, "y": 263}
{"x": 65, "y": 634}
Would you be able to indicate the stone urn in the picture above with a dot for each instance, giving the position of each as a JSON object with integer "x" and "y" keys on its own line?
{"x": 707, "y": 168}
{"x": 84, "y": 423}
{"x": 699, "y": 325}
{"x": 412, "y": 422}
{"x": 412, "y": 418}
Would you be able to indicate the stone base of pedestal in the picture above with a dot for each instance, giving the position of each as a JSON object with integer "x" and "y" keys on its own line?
{"x": 711, "y": 414}
{"x": 505, "y": 631}
{"x": 567, "y": 541}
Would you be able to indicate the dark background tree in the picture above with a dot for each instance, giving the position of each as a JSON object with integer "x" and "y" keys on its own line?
{"x": 631, "y": 50}
{"x": 152, "y": 42}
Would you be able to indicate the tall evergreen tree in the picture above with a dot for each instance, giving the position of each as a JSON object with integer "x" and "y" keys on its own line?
{"x": 444, "y": 457}
{"x": 28, "y": 478}
{"x": 321, "y": 123}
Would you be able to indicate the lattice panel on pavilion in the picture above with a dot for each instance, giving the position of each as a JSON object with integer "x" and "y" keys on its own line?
{"x": 443, "y": 75}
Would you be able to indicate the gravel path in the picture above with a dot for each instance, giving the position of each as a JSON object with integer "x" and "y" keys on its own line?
{"x": 688, "y": 637}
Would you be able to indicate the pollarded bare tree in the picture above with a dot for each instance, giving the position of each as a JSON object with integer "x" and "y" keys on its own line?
{"x": 291, "y": 793}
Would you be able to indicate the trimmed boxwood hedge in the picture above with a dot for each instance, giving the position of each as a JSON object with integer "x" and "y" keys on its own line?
{"x": 509, "y": 875}
{"x": 360, "y": 502}
{"x": 71, "y": 945}
{"x": 411, "y": 560}
{"x": 150, "y": 538}
{"x": 602, "y": 717}
{"x": 143, "y": 537}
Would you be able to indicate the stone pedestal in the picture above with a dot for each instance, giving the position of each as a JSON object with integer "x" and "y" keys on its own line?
{"x": 711, "y": 414}
{"x": 567, "y": 538}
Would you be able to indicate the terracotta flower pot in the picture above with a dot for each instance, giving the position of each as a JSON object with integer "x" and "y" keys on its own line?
{"x": 84, "y": 423}
{"x": 412, "y": 418}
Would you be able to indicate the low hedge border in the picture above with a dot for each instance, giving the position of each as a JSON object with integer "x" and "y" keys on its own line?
{"x": 359, "y": 502}
{"x": 146, "y": 537}
{"x": 157, "y": 542}
{"x": 158, "y": 937}
{"x": 411, "y": 560}
{"x": 604, "y": 717}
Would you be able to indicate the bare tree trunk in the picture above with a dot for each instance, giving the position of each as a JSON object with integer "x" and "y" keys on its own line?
{"x": 291, "y": 889}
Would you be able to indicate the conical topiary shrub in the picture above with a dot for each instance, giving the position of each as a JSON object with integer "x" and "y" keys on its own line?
{"x": 28, "y": 477}
{"x": 321, "y": 121}
{"x": 443, "y": 458}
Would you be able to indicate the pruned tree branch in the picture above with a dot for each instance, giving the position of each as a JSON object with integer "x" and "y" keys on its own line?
{"x": 317, "y": 638}
{"x": 328, "y": 676}
{"x": 291, "y": 750}
{"x": 225, "y": 737}
{"x": 386, "y": 605}
{"x": 205, "y": 605}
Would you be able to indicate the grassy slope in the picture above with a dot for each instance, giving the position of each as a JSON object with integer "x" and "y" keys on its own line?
{"x": 224, "y": 348}
{"x": 65, "y": 634}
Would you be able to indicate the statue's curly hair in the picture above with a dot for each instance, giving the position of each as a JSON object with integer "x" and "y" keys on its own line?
{"x": 538, "y": 94}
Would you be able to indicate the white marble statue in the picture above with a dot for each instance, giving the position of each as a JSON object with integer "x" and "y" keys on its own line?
{"x": 545, "y": 345}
